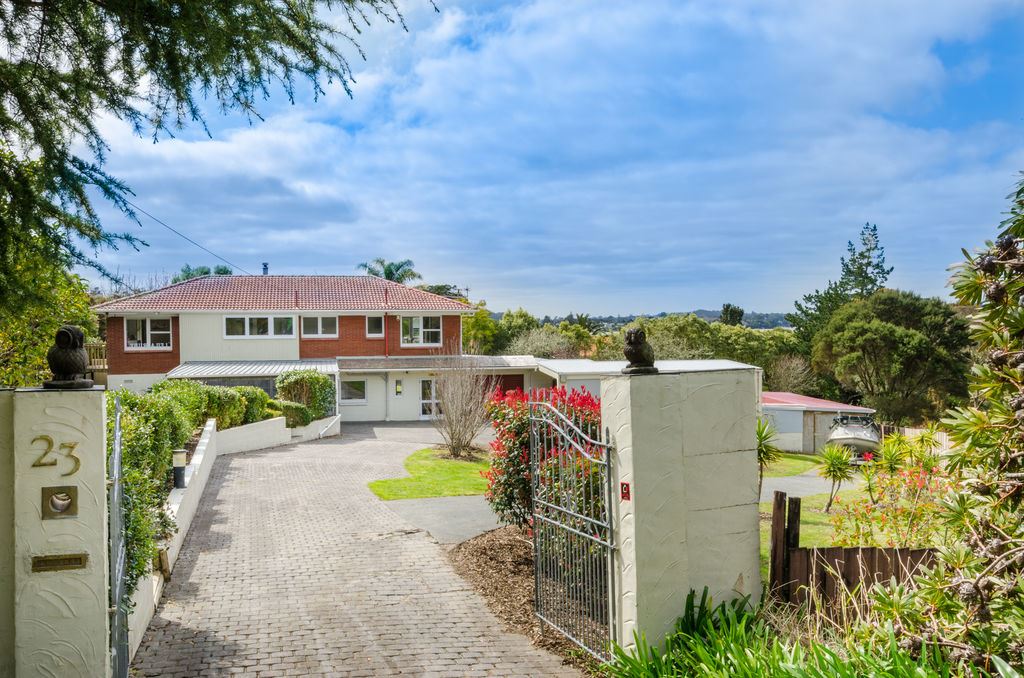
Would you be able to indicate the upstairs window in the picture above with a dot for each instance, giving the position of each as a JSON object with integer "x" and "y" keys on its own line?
{"x": 421, "y": 330}
{"x": 147, "y": 333}
{"x": 321, "y": 327}
{"x": 259, "y": 326}
{"x": 374, "y": 326}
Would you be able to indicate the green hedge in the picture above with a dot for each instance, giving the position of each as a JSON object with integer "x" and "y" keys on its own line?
{"x": 309, "y": 388}
{"x": 295, "y": 414}
{"x": 152, "y": 426}
{"x": 255, "y": 400}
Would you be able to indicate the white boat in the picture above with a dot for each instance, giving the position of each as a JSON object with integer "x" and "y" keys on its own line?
{"x": 856, "y": 431}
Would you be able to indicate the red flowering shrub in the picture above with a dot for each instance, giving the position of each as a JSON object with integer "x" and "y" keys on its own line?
{"x": 509, "y": 489}
{"x": 903, "y": 513}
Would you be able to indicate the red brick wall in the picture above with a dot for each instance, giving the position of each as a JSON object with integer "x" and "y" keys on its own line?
{"x": 120, "y": 361}
{"x": 352, "y": 340}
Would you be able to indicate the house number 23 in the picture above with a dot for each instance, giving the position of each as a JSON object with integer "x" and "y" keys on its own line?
{"x": 47, "y": 458}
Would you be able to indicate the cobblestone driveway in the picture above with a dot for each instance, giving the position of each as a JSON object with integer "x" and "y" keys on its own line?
{"x": 293, "y": 568}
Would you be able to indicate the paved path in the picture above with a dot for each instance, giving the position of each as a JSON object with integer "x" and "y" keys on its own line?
{"x": 292, "y": 567}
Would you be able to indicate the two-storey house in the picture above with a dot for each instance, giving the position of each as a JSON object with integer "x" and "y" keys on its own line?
{"x": 382, "y": 342}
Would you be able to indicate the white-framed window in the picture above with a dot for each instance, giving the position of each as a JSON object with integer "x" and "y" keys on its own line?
{"x": 147, "y": 334}
{"x": 258, "y": 326}
{"x": 320, "y": 326}
{"x": 422, "y": 330}
{"x": 352, "y": 392}
{"x": 374, "y": 327}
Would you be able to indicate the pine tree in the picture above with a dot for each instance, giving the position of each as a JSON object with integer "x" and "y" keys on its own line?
{"x": 154, "y": 64}
{"x": 972, "y": 604}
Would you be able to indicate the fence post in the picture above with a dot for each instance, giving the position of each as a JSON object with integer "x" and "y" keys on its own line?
{"x": 777, "y": 554}
{"x": 684, "y": 444}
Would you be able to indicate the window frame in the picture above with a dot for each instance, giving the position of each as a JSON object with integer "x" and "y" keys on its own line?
{"x": 366, "y": 326}
{"x": 421, "y": 343}
{"x": 353, "y": 401}
{"x": 270, "y": 326}
{"x": 149, "y": 333}
{"x": 319, "y": 326}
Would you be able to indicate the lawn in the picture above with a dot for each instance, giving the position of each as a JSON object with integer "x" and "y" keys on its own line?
{"x": 433, "y": 475}
{"x": 815, "y": 528}
{"x": 791, "y": 464}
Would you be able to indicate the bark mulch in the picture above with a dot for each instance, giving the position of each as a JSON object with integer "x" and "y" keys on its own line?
{"x": 499, "y": 565}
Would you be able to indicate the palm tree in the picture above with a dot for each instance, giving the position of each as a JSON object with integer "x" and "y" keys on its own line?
{"x": 837, "y": 466}
{"x": 395, "y": 271}
{"x": 767, "y": 452}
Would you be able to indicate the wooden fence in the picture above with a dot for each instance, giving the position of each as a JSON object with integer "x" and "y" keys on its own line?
{"x": 795, "y": 572}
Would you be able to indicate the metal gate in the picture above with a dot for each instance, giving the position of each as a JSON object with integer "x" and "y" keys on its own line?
{"x": 118, "y": 555}
{"x": 573, "y": 540}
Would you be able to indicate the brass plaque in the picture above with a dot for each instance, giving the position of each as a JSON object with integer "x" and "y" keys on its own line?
{"x": 60, "y": 502}
{"x": 62, "y": 561}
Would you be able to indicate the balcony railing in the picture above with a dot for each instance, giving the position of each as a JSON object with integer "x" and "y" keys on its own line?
{"x": 97, "y": 351}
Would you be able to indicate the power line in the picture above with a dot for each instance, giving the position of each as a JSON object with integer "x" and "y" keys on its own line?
{"x": 182, "y": 235}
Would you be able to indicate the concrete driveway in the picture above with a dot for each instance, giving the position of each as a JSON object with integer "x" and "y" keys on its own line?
{"x": 292, "y": 567}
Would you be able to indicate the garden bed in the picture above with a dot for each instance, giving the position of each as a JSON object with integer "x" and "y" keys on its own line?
{"x": 499, "y": 565}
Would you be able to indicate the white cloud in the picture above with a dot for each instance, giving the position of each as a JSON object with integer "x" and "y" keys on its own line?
{"x": 605, "y": 157}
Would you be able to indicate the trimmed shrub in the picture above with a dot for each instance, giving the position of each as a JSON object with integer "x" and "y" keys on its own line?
{"x": 309, "y": 388}
{"x": 190, "y": 395}
{"x": 226, "y": 405}
{"x": 295, "y": 414}
{"x": 255, "y": 403}
{"x": 273, "y": 409}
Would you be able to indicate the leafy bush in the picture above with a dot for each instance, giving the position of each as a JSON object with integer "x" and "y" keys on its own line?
{"x": 152, "y": 426}
{"x": 734, "y": 640}
{"x": 903, "y": 513}
{"x": 509, "y": 491}
{"x": 295, "y": 414}
{"x": 309, "y": 388}
{"x": 225, "y": 405}
{"x": 255, "y": 403}
{"x": 190, "y": 395}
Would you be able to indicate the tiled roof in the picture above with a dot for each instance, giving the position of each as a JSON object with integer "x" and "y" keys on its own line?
{"x": 796, "y": 400}
{"x": 284, "y": 293}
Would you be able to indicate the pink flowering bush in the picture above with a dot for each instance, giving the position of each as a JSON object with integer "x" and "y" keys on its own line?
{"x": 509, "y": 491}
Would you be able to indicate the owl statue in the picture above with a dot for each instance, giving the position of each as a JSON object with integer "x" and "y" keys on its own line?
{"x": 639, "y": 353}
{"x": 68, "y": 359}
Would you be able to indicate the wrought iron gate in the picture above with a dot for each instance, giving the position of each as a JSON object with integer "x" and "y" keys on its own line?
{"x": 118, "y": 554}
{"x": 573, "y": 540}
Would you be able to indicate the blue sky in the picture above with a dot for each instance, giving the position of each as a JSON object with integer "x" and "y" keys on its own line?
{"x": 614, "y": 157}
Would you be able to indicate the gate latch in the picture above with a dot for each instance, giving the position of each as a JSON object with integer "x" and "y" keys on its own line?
{"x": 624, "y": 491}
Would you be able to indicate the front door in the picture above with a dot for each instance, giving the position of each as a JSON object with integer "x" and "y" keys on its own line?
{"x": 428, "y": 399}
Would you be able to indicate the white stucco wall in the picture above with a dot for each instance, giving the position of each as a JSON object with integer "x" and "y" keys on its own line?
{"x": 374, "y": 407}
{"x": 685, "y": 444}
{"x": 202, "y": 338}
{"x": 536, "y": 379}
{"x": 592, "y": 385}
{"x": 256, "y": 436}
{"x": 138, "y": 383}
{"x": 61, "y": 616}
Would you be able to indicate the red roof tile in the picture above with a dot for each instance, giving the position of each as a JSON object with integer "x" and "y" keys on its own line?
{"x": 284, "y": 292}
{"x": 809, "y": 403}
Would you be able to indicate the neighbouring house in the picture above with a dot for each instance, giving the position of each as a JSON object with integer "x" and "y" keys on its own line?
{"x": 381, "y": 341}
{"x": 803, "y": 423}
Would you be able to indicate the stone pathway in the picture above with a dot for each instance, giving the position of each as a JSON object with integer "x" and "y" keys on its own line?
{"x": 293, "y": 568}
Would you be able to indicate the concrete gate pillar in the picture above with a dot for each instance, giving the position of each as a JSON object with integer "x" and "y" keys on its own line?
{"x": 54, "y": 619}
{"x": 685, "y": 483}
